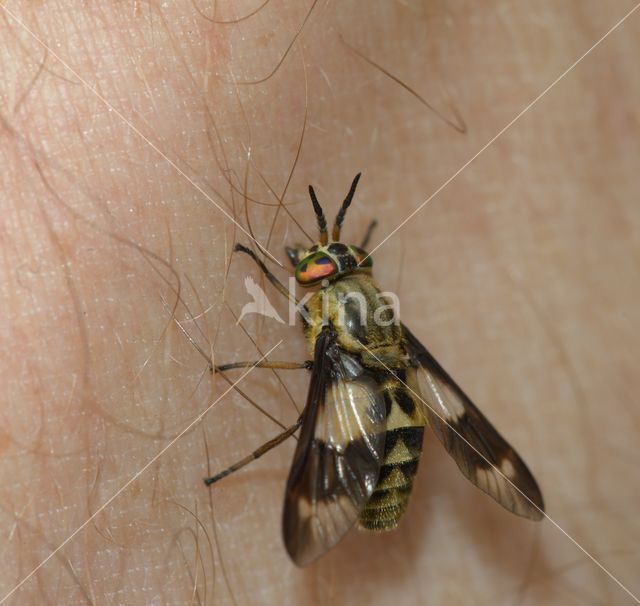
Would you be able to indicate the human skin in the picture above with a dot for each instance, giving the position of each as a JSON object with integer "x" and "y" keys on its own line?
{"x": 520, "y": 276}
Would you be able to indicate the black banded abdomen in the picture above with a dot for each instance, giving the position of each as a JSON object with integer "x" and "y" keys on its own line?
{"x": 403, "y": 446}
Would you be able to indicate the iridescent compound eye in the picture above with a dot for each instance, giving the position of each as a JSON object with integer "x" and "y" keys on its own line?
{"x": 361, "y": 256}
{"x": 315, "y": 268}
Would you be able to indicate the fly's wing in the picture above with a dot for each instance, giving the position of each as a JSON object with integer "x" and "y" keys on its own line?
{"x": 481, "y": 453}
{"x": 337, "y": 461}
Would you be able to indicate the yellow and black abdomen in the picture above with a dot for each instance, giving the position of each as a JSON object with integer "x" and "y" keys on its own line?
{"x": 364, "y": 322}
{"x": 403, "y": 447}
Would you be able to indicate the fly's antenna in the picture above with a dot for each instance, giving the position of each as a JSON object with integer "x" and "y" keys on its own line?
{"x": 343, "y": 209}
{"x": 322, "y": 222}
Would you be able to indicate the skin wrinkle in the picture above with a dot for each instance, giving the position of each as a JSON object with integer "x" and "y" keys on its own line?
{"x": 570, "y": 162}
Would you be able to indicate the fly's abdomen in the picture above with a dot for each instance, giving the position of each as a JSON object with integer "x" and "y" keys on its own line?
{"x": 403, "y": 446}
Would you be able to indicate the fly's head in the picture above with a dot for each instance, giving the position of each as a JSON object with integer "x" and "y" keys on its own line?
{"x": 328, "y": 260}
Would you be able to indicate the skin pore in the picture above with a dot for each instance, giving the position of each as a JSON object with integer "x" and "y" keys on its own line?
{"x": 520, "y": 276}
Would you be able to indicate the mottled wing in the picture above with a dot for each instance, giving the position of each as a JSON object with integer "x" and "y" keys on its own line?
{"x": 337, "y": 460}
{"x": 481, "y": 453}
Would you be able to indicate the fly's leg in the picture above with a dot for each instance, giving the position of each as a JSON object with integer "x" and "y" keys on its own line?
{"x": 367, "y": 235}
{"x": 308, "y": 365}
{"x": 288, "y": 432}
{"x": 265, "y": 270}
{"x": 266, "y": 447}
{"x": 256, "y": 454}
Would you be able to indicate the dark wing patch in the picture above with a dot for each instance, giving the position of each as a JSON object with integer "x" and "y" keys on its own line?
{"x": 452, "y": 414}
{"x": 337, "y": 461}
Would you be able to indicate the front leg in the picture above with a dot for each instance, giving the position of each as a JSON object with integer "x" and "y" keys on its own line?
{"x": 265, "y": 270}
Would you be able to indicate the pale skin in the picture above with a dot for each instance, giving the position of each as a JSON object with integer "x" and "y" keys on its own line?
{"x": 520, "y": 276}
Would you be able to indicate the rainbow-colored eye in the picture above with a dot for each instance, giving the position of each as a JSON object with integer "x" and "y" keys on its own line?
{"x": 315, "y": 267}
{"x": 362, "y": 256}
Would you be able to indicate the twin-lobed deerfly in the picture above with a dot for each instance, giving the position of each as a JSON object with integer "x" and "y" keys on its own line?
{"x": 374, "y": 388}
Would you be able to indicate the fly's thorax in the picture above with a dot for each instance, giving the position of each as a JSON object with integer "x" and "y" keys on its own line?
{"x": 385, "y": 358}
{"x": 364, "y": 319}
